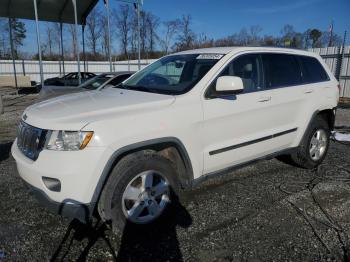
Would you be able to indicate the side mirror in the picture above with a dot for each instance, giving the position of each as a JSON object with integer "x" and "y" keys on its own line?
{"x": 229, "y": 85}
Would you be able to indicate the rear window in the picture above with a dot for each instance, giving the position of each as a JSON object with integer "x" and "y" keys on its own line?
{"x": 313, "y": 71}
{"x": 281, "y": 70}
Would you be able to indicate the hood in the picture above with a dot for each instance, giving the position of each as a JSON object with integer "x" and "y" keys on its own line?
{"x": 74, "y": 111}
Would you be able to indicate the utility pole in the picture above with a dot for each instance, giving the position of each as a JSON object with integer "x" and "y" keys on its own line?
{"x": 74, "y": 2}
{"x": 331, "y": 34}
{"x": 342, "y": 59}
{"x": 13, "y": 52}
{"x": 137, "y": 6}
{"x": 109, "y": 35}
{"x": 138, "y": 34}
{"x": 38, "y": 43}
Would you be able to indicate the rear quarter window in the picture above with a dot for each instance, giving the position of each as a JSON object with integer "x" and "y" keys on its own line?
{"x": 313, "y": 71}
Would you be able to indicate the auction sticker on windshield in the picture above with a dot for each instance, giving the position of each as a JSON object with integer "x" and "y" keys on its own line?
{"x": 210, "y": 56}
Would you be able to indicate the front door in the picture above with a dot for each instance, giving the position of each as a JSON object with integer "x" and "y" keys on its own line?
{"x": 240, "y": 128}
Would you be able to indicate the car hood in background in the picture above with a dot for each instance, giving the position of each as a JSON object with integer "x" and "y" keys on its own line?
{"x": 48, "y": 92}
{"x": 74, "y": 111}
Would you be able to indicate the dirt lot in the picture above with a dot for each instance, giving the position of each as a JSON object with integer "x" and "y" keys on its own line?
{"x": 266, "y": 212}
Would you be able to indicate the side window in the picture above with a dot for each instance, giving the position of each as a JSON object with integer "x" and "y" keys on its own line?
{"x": 313, "y": 71}
{"x": 281, "y": 70}
{"x": 86, "y": 75}
{"x": 248, "y": 68}
{"x": 69, "y": 76}
{"x": 73, "y": 76}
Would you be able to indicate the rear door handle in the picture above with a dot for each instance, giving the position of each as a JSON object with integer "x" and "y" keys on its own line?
{"x": 264, "y": 99}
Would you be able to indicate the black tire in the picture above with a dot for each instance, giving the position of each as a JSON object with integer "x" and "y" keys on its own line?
{"x": 301, "y": 156}
{"x": 38, "y": 88}
{"x": 110, "y": 203}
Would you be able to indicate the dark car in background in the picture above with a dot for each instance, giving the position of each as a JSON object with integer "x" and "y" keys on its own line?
{"x": 101, "y": 81}
{"x": 71, "y": 79}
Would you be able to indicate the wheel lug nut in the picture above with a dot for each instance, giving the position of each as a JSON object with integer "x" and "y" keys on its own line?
{"x": 149, "y": 202}
{"x": 142, "y": 203}
{"x": 153, "y": 193}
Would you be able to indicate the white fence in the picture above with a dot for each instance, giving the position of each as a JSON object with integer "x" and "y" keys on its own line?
{"x": 54, "y": 68}
{"x": 336, "y": 59}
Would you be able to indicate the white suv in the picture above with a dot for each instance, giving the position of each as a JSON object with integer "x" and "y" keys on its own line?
{"x": 124, "y": 151}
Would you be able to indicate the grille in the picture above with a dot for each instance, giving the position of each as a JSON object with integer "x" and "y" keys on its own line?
{"x": 30, "y": 140}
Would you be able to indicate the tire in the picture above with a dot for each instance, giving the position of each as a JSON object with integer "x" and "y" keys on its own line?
{"x": 305, "y": 156}
{"x": 38, "y": 88}
{"x": 130, "y": 172}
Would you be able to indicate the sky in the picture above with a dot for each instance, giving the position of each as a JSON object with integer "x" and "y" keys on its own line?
{"x": 220, "y": 18}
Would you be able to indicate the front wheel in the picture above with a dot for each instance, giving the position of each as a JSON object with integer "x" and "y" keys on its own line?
{"x": 138, "y": 190}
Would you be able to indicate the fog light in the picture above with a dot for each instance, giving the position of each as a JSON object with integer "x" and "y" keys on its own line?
{"x": 52, "y": 184}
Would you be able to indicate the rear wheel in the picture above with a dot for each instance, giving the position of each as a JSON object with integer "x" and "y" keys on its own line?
{"x": 313, "y": 148}
{"x": 138, "y": 190}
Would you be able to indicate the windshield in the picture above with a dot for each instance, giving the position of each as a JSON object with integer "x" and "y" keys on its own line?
{"x": 173, "y": 75}
{"x": 96, "y": 82}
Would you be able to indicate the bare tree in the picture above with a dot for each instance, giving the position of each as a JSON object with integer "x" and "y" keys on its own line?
{"x": 49, "y": 38}
{"x": 133, "y": 34}
{"x": 123, "y": 27}
{"x": 104, "y": 36}
{"x": 203, "y": 41}
{"x": 243, "y": 38}
{"x": 171, "y": 29}
{"x": 152, "y": 24}
{"x": 186, "y": 36}
{"x": 143, "y": 30}
{"x": 57, "y": 36}
{"x": 337, "y": 40}
{"x": 255, "y": 31}
{"x": 71, "y": 31}
{"x": 231, "y": 40}
{"x": 94, "y": 26}
{"x": 53, "y": 40}
{"x": 3, "y": 38}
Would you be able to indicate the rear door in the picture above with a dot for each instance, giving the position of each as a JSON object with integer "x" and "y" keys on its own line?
{"x": 289, "y": 98}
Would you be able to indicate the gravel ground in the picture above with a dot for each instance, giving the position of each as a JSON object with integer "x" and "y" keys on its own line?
{"x": 265, "y": 212}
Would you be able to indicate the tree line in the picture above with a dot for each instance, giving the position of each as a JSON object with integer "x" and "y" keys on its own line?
{"x": 157, "y": 37}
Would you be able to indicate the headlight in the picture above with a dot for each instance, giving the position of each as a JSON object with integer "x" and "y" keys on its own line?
{"x": 68, "y": 140}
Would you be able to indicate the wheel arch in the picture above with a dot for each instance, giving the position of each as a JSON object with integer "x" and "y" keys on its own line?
{"x": 326, "y": 114}
{"x": 169, "y": 147}
{"x": 329, "y": 116}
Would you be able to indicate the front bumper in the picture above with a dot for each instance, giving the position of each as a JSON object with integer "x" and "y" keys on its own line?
{"x": 70, "y": 209}
{"x": 78, "y": 172}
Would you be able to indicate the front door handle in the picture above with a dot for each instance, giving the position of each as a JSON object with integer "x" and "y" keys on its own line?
{"x": 264, "y": 99}
{"x": 308, "y": 91}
